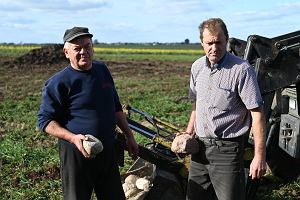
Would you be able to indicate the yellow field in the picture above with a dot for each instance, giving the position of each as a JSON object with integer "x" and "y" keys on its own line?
{"x": 25, "y": 48}
{"x": 147, "y": 51}
{"x": 19, "y": 47}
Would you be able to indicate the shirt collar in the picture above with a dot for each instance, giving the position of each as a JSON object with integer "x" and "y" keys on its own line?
{"x": 219, "y": 65}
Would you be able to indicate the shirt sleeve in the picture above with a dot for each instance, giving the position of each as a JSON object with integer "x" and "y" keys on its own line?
{"x": 192, "y": 88}
{"x": 249, "y": 90}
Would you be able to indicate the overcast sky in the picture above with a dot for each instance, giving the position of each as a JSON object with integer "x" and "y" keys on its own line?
{"x": 44, "y": 21}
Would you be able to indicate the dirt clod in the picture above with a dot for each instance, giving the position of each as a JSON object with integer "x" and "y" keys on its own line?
{"x": 44, "y": 56}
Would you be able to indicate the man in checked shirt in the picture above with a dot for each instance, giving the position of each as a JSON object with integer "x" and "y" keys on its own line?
{"x": 226, "y": 103}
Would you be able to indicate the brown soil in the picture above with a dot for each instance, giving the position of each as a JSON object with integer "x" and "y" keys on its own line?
{"x": 52, "y": 56}
{"x": 147, "y": 67}
{"x": 45, "y": 56}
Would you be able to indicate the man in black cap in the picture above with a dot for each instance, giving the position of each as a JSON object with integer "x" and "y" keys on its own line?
{"x": 79, "y": 100}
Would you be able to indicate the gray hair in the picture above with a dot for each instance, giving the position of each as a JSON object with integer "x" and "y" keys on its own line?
{"x": 66, "y": 45}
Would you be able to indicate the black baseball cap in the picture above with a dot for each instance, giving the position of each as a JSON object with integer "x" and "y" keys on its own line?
{"x": 75, "y": 32}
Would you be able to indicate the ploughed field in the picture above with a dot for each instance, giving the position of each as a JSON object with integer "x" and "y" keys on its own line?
{"x": 151, "y": 78}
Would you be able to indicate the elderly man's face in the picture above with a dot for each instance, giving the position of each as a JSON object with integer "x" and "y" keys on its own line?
{"x": 214, "y": 44}
{"x": 80, "y": 53}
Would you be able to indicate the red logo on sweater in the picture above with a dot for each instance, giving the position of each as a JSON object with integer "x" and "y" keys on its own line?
{"x": 106, "y": 85}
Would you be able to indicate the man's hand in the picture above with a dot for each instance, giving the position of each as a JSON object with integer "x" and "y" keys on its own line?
{"x": 185, "y": 132}
{"x": 56, "y": 130}
{"x": 185, "y": 143}
{"x": 132, "y": 146}
{"x": 77, "y": 141}
{"x": 258, "y": 164}
{"x": 257, "y": 168}
{"x": 130, "y": 141}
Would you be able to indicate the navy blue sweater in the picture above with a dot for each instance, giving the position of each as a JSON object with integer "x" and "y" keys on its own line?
{"x": 83, "y": 102}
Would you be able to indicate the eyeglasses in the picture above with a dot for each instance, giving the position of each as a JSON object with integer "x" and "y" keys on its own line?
{"x": 78, "y": 48}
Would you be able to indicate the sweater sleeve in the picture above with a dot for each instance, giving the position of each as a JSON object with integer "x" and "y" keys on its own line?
{"x": 52, "y": 104}
{"x": 118, "y": 105}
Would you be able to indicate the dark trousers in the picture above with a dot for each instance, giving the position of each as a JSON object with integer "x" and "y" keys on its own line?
{"x": 217, "y": 171}
{"x": 80, "y": 176}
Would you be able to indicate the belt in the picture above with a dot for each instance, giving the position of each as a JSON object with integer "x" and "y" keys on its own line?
{"x": 218, "y": 141}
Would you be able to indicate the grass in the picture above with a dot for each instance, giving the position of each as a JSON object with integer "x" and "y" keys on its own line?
{"x": 29, "y": 159}
{"x": 29, "y": 162}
